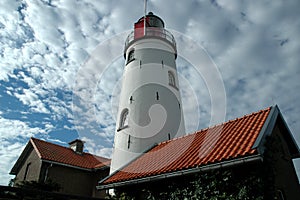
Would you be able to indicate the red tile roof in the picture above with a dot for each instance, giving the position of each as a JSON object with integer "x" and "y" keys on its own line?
{"x": 230, "y": 140}
{"x": 59, "y": 154}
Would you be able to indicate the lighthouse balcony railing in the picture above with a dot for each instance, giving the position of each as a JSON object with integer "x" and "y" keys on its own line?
{"x": 153, "y": 32}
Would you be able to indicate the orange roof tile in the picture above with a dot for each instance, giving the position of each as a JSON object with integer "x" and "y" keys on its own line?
{"x": 52, "y": 152}
{"x": 230, "y": 140}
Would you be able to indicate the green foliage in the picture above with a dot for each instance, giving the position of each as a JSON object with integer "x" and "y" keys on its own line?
{"x": 214, "y": 185}
{"x": 12, "y": 182}
{"x": 49, "y": 185}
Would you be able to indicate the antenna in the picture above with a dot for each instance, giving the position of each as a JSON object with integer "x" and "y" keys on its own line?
{"x": 145, "y": 12}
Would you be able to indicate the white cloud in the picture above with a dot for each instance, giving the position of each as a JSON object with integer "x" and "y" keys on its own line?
{"x": 12, "y": 129}
{"x": 14, "y": 134}
{"x": 29, "y": 98}
{"x": 9, "y": 153}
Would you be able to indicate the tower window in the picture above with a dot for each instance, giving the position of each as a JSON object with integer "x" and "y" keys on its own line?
{"x": 131, "y": 99}
{"x": 128, "y": 142}
{"x": 171, "y": 79}
{"x": 130, "y": 56}
{"x": 123, "y": 119}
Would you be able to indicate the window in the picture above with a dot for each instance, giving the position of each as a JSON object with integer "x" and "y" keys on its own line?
{"x": 128, "y": 146}
{"x": 26, "y": 171}
{"x": 130, "y": 56}
{"x": 171, "y": 79}
{"x": 123, "y": 119}
{"x": 131, "y": 99}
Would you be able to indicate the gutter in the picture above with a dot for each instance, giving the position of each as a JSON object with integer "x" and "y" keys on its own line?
{"x": 238, "y": 161}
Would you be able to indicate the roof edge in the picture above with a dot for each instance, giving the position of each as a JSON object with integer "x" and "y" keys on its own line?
{"x": 227, "y": 163}
{"x": 267, "y": 128}
{"x": 68, "y": 165}
{"x": 291, "y": 137}
{"x": 35, "y": 147}
{"x": 22, "y": 157}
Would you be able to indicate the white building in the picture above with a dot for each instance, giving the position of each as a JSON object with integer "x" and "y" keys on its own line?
{"x": 150, "y": 109}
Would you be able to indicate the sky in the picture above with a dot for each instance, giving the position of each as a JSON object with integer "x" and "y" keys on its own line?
{"x": 61, "y": 66}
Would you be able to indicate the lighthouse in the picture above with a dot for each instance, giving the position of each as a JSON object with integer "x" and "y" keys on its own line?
{"x": 150, "y": 108}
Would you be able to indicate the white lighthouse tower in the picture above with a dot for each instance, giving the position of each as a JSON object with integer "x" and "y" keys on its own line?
{"x": 150, "y": 109}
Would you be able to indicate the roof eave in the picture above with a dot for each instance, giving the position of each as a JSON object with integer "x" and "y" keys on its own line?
{"x": 227, "y": 163}
{"x": 102, "y": 167}
{"x": 266, "y": 130}
{"x": 290, "y": 137}
{"x": 73, "y": 166}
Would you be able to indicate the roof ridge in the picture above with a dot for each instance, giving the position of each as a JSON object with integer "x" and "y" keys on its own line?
{"x": 216, "y": 125}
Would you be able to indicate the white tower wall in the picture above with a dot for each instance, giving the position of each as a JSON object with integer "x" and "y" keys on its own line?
{"x": 150, "y": 108}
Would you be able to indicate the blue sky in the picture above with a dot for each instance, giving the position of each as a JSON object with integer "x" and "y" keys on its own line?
{"x": 44, "y": 46}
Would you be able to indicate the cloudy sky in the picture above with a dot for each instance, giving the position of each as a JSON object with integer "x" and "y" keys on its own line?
{"x": 50, "y": 91}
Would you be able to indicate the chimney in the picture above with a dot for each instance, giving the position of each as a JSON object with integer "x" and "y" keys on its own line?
{"x": 77, "y": 146}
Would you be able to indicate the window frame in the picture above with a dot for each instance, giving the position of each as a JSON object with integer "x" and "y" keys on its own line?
{"x": 130, "y": 56}
{"x": 172, "y": 79}
{"x": 123, "y": 123}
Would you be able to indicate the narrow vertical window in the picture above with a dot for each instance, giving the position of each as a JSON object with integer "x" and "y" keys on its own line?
{"x": 131, "y": 100}
{"x": 123, "y": 119}
{"x": 26, "y": 171}
{"x": 171, "y": 79}
{"x": 157, "y": 96}
{"x": 129, "y": 141}
{"x": 169, "y": 136}
{"x": 130, "y": 56}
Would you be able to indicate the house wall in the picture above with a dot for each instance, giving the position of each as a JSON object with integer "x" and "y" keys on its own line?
{"x": 75, "y": 181}
{"x": 33, "y": 170}
{"x": 280, "y": 166}
{"x": 99, "y": 175}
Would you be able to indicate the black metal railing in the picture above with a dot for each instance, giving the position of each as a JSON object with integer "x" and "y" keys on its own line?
{"x": 151, "y": 32}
